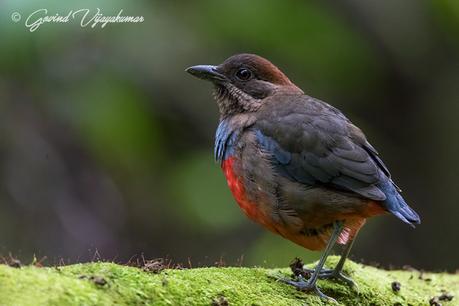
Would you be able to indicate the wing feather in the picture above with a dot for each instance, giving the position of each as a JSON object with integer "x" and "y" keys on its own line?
{"x": 317, "y": 145}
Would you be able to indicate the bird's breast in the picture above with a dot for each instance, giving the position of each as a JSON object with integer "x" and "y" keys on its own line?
{"x": 236, "y": 185}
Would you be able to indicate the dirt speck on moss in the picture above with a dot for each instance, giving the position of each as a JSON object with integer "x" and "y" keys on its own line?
{"x": 220, "y": 301}
{"x": 445, "y": 296}
{"x": 97, "y": 280}
{"x": 396, "y": 286}
{"x": 297, "y": 267}
{"x": 154, "y": 266}
{"x": 15, "y": 263}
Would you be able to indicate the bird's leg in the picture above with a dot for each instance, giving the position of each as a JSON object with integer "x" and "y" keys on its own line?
{"x": 311, "y": 283}
{"x": 337, "y": 272}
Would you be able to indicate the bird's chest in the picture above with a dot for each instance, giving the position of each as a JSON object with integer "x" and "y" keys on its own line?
{"x": 247, "y": 173}
{"x": 232, "y": 168}
{"x": 251, "y": 185}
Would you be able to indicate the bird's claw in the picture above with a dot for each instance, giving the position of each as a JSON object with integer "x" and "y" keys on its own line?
{"x": 307, "y": 286}
{"x": 333, "y": 274}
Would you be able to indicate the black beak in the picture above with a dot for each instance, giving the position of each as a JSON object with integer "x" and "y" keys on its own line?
{"x": 206, "y": 72}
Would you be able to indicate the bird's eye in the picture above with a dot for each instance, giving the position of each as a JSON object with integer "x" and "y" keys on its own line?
{"x": 243, "y": 74}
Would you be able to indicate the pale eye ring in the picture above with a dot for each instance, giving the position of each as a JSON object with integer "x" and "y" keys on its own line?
{"x": 244, "y": 74}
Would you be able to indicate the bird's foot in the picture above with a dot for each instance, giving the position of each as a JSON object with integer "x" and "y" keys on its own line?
{"x": 337, "y": 275}
{"x": 306, "y": 286}
{"x": 333, "y": 274}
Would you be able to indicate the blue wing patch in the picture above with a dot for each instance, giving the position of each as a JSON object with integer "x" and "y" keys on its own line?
{"x": 225, "y": 140}
{"x": 270, "y": 145}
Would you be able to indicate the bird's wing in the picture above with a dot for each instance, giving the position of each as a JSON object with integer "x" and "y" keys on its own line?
{"x": 313, "y": 143}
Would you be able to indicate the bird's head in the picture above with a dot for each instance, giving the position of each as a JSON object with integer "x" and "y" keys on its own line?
{"x": 243, "y": 81}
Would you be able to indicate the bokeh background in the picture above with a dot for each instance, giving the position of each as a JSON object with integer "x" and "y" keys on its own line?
{"x": 106, "y": 143}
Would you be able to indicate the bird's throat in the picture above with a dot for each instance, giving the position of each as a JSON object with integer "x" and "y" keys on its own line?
{"x": 231, "y": 100}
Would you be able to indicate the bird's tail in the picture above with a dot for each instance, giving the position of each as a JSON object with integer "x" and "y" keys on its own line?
{"x": 396, "y": 204}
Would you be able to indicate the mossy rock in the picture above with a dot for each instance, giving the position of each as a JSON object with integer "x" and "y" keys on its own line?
{"x": 104, "y": 283}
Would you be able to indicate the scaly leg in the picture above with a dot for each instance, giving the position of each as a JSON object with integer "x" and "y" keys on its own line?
{"x": 337, "y": 272}
{"x": 311, "y": 283}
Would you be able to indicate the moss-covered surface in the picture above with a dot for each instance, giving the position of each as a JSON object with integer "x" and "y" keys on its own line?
{"x": 108, "y": 284}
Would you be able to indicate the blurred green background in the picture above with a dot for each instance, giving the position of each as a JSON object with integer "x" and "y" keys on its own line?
{"x": 107, "y": 144}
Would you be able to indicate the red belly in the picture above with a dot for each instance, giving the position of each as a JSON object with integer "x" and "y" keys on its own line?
{"x": 254, "y": 211}
{"x": 237, "y": 189}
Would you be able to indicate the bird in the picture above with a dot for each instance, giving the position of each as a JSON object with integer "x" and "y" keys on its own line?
{"x": 297, "y": 165}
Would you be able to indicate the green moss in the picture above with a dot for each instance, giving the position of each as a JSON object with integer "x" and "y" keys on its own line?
{"x": 78, "y": 285}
